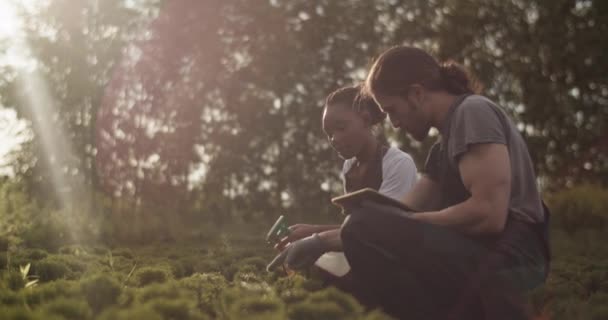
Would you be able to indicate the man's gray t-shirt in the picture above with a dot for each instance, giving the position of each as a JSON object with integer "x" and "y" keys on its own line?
{"x": 478, "y": 120}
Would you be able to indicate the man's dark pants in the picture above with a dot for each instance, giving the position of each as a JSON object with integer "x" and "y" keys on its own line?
{"x": 414, "y": 270}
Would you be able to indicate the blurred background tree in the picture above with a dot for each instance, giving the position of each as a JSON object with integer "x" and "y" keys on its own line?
{"x": 192, "y": 111}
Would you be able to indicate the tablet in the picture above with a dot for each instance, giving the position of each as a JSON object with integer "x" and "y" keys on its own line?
{"x": 356, "y": 199}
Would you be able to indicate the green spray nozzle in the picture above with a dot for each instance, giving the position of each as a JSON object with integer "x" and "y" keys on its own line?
{"x": 278, "y": 231}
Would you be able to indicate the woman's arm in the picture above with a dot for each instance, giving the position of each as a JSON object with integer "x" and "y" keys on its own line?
{"x": 332, "y": 240}
{"x": 299, "y": 231}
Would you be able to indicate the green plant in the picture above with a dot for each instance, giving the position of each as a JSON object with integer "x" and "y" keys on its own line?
{"x": 4, "y": 243}
{"x": 34, "y": 254}
{"x": 14, "y": 280}
{"x": 69, "y": 309}
{"x": 324, "y": 310}
{"x": 137, "y": 312}
{"x": 47, "y": 292}
{"x": 169, "y": 290}
{"x": 29, "y": 280}
{"x": 123, "y": 252}
{"x": 100, "y": 291}
{"x": 49, "y": 234}
{"x": 183, "y": 267}
{"x": 176, "y": 309}
{"x": 346, "y": 302}
{"x": 20, "y": 313}
{"x": 147, "y": 275}
{"x": 9, "y": 297}
{"x": 583, "y": 207}
{"x": 51, "y": 269}
{"x": 257, "y": 307}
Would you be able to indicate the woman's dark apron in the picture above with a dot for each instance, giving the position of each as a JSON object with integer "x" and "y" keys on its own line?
{"x": 353, "y": 181}
{"x": 371, "y": 178}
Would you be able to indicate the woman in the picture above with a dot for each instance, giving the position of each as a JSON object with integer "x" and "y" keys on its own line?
{"x": 349, "y": 122}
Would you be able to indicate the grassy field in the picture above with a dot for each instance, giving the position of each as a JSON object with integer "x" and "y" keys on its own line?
{"x": 222, "y": 276}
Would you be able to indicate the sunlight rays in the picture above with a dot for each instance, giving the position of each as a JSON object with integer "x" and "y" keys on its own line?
{"x": 36, "y": 99}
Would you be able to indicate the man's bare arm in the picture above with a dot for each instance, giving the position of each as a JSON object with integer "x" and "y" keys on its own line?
{"x": 423, "y": 196}
{"x": 486, "y": 173}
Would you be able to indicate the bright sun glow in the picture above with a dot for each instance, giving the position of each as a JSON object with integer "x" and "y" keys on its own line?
{"x": 12, "y": 130}
{"x": 9, "y": 24}
{"x": 9, "y": 21}
{"x": 12, "y": 49}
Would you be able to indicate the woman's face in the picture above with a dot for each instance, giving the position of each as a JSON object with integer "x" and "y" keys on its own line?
{"x": 346, "y": 130}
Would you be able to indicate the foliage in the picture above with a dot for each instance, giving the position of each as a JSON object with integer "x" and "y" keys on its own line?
{"x": 161, "y": 124}
{"x": 101, "y": 291}
{"x": 577, "y": 287}
{"x": 148, "y": 97}
{"x": 149, "y": 275}
{"x": 583, "y": 207}
{"x": 69, "y": 309}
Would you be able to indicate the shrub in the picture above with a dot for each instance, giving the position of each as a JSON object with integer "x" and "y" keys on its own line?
{"x": 100, "y": 291}
{"x": 291, "y": 296}
{"x": 123, "y": 252}
{"x": 208, "y": 280}
{"x": 329, "y": 303}
{"x": 148, "y": 275}
{"x": 184, "y": 267}
{"x": 139, "y": 312}
{"x": 377, "y": 315}
{"x": 255, "y": 264}
{"x": 4, "y": 243}
{"x": 207, "y": 288}
{"x": 568, "y": 309}
{"x": 49, "y": 235}
{"x": 3, "y": 260}
{"x": 323, "y": 310}
{"x": 9, "y": 298}
{"x": 20, "y": 313}
{"x": 69, "y": 309}
{"x": 257, "y": 307}
{"x": 346, "y": 302}
{"x": 175, "y": 309}
{"x": 208, "y": 265}
{"x": 14, "y": 280}
{"x": 229, "y": 271}
{"x": 34, "y": 254}
{"x": 297, "y": 281}
{"x": 46, "y": 292}
{"x": 169, "y": 290}
{"x": 50, "y": 269}
{"x": 582, "y": 207}
{"x": 72, "y": 250}
{"x": 247, "y": 278}
{"x": 99, "y": 249}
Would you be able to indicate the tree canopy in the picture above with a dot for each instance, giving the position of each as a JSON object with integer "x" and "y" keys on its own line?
{"x": 215, "y": 106}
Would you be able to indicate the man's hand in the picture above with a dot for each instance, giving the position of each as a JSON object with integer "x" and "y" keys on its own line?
{"x": 300, "y": 254}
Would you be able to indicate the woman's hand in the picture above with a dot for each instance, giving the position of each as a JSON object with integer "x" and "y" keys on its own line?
{"x": 300, "y": 254}
{"x": 298, "y": 231}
